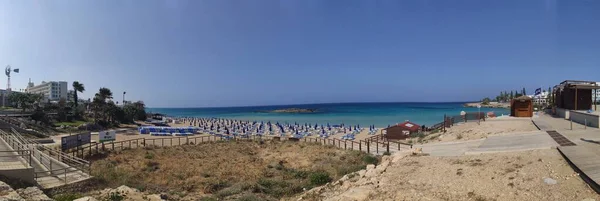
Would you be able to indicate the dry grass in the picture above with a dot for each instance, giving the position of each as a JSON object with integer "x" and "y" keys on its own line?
{"x": 229, "y": 170}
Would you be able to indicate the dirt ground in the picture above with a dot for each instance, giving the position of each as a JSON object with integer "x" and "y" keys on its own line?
{"x": 473, "y": 130}
{"x": 224, "y": 170}
{"x": 531, "y": 175}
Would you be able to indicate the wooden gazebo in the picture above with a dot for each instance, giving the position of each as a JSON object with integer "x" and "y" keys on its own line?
{"x": 521, "y": 107}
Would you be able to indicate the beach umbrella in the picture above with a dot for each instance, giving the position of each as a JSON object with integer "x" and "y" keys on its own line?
{"x": 316, "y": 126}
{"x": 358, "y": 125}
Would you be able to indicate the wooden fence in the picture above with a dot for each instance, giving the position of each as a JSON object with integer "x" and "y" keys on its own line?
{"x": 376, "y": 144}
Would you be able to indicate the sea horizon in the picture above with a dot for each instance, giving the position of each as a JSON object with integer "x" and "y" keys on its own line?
{"x": 300, "y": 104}
{"x": 379, "y": 114}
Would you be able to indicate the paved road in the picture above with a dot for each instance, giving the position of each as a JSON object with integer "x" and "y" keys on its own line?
{"x": 492, "y": 144}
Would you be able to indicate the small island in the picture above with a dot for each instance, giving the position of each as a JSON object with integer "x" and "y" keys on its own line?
{"x": 292, "y": 110}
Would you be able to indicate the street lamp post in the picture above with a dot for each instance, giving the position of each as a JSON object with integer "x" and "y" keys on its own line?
{"x": 124, "y": 98}
{"x": 478, "y": 114}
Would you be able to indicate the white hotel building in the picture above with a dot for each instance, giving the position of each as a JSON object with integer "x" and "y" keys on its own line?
{"x": 52, "y": 90}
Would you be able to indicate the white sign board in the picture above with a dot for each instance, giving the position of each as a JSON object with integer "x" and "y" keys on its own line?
{"x": 406, "y": 132}
{"x": 105, "y": 136}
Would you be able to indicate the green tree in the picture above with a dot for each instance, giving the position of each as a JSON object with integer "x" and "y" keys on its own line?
{"x": 77, "y": 88}
{"x": 100, "y": 107}
{"x": 135, "y": 111}
{"x": 485, "y": 101}
{"x": 25, "y": 100}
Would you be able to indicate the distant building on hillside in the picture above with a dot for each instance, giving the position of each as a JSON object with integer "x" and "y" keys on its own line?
{"x": 596, "y": 94}
{"x": 70, "y": 96}
{"x": 51, "y": 91}
{"x": 541, "y": 98}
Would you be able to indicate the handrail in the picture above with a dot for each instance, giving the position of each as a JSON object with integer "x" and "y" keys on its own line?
{"x": 62, "y": 154}
{"x": 80, "y": 164}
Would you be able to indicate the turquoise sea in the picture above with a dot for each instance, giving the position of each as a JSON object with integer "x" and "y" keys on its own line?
{"x": 378, "y": 114}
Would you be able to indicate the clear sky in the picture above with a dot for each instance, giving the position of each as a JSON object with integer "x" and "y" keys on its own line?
{"x": 235, "y": 53}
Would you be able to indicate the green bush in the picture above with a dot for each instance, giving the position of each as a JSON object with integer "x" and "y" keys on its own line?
{"x": 370, "y": 159}
{"x": 115, "y": 197}
{"x": 249, "y": 197}
{"x": 149, "y": 155}
{"x": 319, "y": 178}
{"x": 207, "y": 199}
{"x": 344, "y": 170}
{"x": 67, "y": 197}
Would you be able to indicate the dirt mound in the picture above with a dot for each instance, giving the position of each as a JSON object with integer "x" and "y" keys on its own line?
{"x": 531, "y": 175}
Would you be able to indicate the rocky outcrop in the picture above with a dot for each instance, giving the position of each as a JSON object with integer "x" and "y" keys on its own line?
{"x": 29, "y": 193}
{"x": 124, "y": 193}
{"x": 357, "y": 186}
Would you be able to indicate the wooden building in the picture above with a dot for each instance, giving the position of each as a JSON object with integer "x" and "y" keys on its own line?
{"x": 521, "y": 107}
{"x": 401, "y": 131}
{"x": 574, "y": 95}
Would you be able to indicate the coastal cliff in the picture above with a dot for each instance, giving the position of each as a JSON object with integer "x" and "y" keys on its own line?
{"x": 489, "y": 105}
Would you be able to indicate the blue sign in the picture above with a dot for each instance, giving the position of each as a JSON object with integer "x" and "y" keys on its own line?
{"x": 72, "y": 141}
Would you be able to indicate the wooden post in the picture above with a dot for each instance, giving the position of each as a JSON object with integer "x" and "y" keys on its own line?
{"x": 113, "y": 145}
{"x": 144, "y": 141}
{"x": 368, "y": 148}
{"x": 377, "y": 146}
{"x": 345, "y": 145}
{"x": 388, "y": 146}
{"x": 444, "y": 125}
{"x": 575, "y": 98}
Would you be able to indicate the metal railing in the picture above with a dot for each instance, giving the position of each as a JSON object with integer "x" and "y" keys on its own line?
{"x": 43, "y": 155}
{"x": 21, "y": 154}
{"x": 49, "y": 155}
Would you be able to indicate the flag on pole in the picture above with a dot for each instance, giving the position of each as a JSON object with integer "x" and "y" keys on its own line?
{"x": 538, "y": 91}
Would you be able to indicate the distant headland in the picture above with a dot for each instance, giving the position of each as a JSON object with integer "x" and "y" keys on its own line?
{"x": 291, "y": 110}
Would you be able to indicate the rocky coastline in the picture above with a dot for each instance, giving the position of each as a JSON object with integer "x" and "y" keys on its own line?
{"x": 489, "y": 105}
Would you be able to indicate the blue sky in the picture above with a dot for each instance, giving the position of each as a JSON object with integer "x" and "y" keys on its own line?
{"x": 236, "y": 53}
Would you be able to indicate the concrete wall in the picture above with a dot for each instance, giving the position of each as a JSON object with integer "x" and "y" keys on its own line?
{"x": 24, "y": 174}
{"x": 562, "y": 113}
{"x": 592, "y": 120}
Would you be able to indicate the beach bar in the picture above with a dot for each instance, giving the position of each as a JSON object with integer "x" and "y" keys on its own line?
{"x": 521, "y": 107}
{"x": 401, "y": 131}
{"x": 573, "y": 100}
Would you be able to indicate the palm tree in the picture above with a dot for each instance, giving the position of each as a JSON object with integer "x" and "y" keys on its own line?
{"x": 77, "y": 87}
{"x": 104, "y": 93}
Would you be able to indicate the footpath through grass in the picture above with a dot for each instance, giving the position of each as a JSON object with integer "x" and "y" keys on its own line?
{"x": 230, "y": 170}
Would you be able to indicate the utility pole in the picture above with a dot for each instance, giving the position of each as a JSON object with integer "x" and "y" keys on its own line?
{"x": 124, "y": 98}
